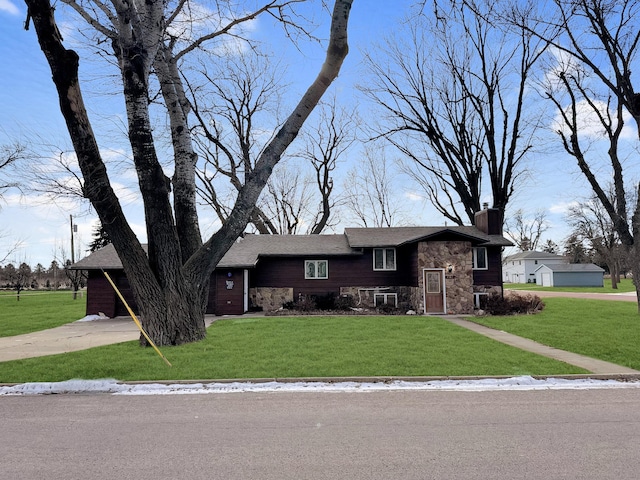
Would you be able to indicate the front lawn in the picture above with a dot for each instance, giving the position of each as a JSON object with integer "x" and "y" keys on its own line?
{"x": 38, "y": 310}
{"x": 278, "y": 347}
{"x": 603, "y": 329}
{"x": 625, "y": 285}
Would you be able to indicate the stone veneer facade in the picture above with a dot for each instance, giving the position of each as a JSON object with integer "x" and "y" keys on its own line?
{"x": 269, "y": 298}
{"x": 363, "y": 296}
{"x": 459, "y": 283}
{"x": 431, "y": 255}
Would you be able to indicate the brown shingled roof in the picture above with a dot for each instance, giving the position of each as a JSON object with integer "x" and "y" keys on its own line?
{"x": 245, "y": 252}
{"x": 396, "y": 236}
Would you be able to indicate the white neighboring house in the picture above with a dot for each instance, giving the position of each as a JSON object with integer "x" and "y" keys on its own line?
{"x": 521, "y": 267}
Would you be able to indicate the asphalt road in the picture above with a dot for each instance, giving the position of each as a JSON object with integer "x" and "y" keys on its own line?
{"x": 586, "y": 434}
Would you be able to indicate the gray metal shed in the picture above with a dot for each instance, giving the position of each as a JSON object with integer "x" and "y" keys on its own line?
{"x": 570, "y": 275}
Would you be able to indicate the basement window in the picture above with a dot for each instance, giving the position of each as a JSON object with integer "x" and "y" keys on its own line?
{"x": 380, "y": 299}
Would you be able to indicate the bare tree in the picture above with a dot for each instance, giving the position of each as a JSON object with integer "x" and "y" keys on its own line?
{"x": 593, "y": 77}
{"x": 8, "y": 247}
{"x": 9, "y": 156}
{"x": 325, "y": 144}
{"x": 370, "y": 196}
{"x": 240, "y": 95}
{"x": 526, "y": 231}
{"x": 285, "y": 201}
{"x": 453, "y": 100}
{"x": 245, "y": 97}
{"x": 590, "y": 222}
{"x": 171, "y": 283}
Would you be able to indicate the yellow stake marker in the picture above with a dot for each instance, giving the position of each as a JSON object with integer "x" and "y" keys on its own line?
{"x": 135, "y": 319}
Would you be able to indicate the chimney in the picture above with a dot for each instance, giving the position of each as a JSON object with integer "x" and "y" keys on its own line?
{"x": 489, "y": 220}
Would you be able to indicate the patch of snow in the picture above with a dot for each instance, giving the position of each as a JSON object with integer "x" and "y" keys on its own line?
{"x": 482, "y": 385}
{"x": 93, "y": 318}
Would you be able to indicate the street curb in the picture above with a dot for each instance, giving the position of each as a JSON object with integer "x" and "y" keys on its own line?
{"x": 382, "y": 379}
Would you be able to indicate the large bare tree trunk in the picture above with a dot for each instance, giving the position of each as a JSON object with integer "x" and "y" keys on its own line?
{"x": 169, "y": 288}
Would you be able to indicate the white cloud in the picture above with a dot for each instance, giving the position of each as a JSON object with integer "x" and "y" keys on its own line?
{"x": 198, "y": 20}
{"x": 9, "y": 7}
{"x": 562, "y": 207}
{"x": 414, "y": 197}
{"x": 589, "y": 124}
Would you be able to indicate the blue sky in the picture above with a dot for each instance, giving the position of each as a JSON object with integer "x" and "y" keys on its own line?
{"x": 30, "y": 113}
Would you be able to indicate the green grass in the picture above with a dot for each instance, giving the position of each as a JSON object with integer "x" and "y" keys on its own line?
{"x": 276, "y": 347}
{"x": 38, "y": 311}
{"x": 602, "y": 329}
{"x": 625, "y": 285}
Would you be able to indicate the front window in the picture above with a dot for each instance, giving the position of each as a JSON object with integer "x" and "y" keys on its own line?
{"x": 384, "y": 258}
{"x": 480, "y": 258}
{"x": 316, "y": 269}
{"x": 386, "y": 299}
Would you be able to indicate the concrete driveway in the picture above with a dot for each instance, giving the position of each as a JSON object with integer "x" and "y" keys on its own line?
{"x": 620, "y": 297}
{"x": 71, "y": 337}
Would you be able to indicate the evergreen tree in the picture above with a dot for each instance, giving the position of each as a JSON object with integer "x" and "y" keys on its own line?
{"x": 100, "y": 239}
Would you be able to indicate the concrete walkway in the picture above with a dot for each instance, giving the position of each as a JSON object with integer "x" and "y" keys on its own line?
{"x": 591, "y": 364}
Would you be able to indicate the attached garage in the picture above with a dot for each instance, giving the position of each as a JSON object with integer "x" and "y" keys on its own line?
{"x": 570, "y": 275}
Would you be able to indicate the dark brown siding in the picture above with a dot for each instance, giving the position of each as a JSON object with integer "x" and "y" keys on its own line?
{"x": 100, "y": 295}
{"x": 229, "y": 301}
{"x": 122, "y": 283}
{"x": 211, "y": 301}
{"x": 492, "y": 276}
{"x": 344, "y": 271}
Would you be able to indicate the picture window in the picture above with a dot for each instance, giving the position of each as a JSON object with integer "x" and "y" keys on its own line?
{"x": 384, "y": 258}
{"x": 316, "y": 269}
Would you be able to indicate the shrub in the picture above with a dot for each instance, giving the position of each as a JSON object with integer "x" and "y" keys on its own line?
{"x": 513, "y": 304}
{"x": 345, "y": 302}
{"x": 326, "y": 302}
{"x": 305, "y": 303}
{"x": 388, "y": 309}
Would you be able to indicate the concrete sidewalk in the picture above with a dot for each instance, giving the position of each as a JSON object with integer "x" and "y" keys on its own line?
{"x": 591, "y": 364}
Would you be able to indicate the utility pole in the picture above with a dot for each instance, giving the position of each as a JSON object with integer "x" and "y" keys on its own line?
{"x": 74, "y": 280}
{"x": 74, "y": 228}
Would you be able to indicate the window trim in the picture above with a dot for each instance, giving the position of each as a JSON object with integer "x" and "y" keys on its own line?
{"x": 384, "y": 259}
{"x": 316, "y": 263}
{"x": 476, "y": 298}
{"x": 475, "y": 251}
{"x": 385, "y": 297}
